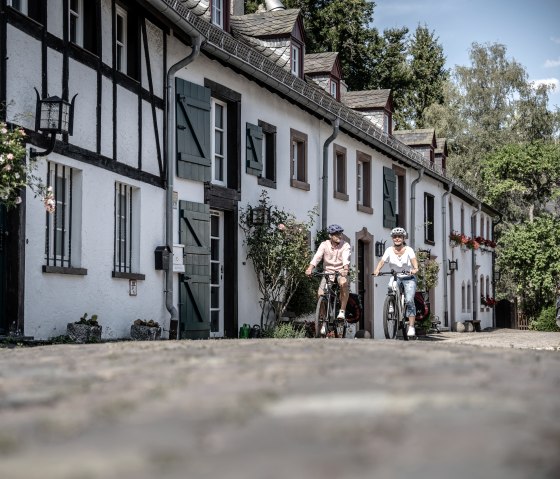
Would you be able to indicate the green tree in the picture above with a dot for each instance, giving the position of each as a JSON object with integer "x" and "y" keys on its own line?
{"x": 488, "y": 105}
{"x": 278, "y": 247}
{"x": 529, "y": 257}
{"x": 521, "y": 179}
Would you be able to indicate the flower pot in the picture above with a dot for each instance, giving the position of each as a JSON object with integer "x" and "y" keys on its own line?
{"x": 145, "y": 333}
{"x": 83, "y": 333}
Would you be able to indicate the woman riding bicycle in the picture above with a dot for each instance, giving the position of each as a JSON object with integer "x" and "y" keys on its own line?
{"x": 402, "y": 257}
{"x": 335, "y": 253}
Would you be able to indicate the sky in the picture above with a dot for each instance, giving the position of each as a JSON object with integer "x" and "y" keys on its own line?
{"x": 530, "y": 30}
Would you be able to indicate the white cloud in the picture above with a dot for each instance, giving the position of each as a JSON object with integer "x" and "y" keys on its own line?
{"x": 547, "y": 81}
{"x": 552, "y": 63}
{"x": 555, "y": 39}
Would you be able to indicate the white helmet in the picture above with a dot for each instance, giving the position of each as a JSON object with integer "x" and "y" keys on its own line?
{"x": 398, "y": 231}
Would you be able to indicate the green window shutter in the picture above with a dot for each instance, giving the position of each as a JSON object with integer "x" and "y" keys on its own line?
{"x": 389, "y": 198}
{"x": 194, "y": 290}
{"x": 193, "y": 131}
{"x": 253, "y": 151}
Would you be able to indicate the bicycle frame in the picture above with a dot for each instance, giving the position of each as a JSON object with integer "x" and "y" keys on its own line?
{"x": 325, "y": 313}
{"x": 393, "y": 320}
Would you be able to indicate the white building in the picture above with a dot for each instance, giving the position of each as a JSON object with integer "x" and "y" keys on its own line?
{"x": 243, "y": 117}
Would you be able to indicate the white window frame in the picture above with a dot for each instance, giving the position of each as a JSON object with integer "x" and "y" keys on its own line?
{"x": 120, "y": 43}
{"x": 23, "y": 6}
{"x": 218, "y": 13}
{"x": 76, "y": 16}
{"x": 216, "y": 129}
{"x": 296, "y": 56}
{"x": 334, "y": 88}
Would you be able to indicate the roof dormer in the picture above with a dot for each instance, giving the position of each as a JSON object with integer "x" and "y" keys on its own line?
{"x": 325, "y": 70}
{"x": 423, "y": 141}
{"x": 276, "y": 33}
{"x": 441, "y": 154}
{"x": 375, "y": 105}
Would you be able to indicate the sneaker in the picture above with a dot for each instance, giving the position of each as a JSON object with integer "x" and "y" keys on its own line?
{"x": 411, "y": 331}
{"x": 341, "y": 315}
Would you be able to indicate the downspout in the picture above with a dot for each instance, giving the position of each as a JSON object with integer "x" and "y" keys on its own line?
{"x": 444, "y": 253}
{"x": 475, "y": 298}
{"x": 412, "y": 234}
{"x": 169, "y": 12}
{"x": 325, "y": 178}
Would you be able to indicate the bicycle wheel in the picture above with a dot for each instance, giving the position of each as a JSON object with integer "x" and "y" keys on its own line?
{"x": 321, "y": 317}
{"x": 403, "y": 320}
{"x": 390, "y": 320}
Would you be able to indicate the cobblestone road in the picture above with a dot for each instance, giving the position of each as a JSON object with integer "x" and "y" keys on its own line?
{"x": 269, "y": 409}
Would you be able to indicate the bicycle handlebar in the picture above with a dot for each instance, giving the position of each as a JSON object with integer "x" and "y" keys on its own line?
{"x": 393, "y": 273}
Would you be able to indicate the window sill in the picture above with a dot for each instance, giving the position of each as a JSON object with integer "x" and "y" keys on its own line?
{"x": 365, "y": 209}
{"x": 341, "y": 196}
{"x": 119, "y": 275}
{"x": 64, "y": 270}
{"x": 266, "y": 182}
{"x": 302, "y": 185}
{"x": 430, "y": 242}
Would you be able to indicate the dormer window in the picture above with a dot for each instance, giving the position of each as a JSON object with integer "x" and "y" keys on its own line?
{"x": 218, "y": 13}
{"x": 296, "y": 60}
{"x": 386, "y": 122}
{"x": 20, "y": 5}
{"x": 76, "y": 22}
{"x": 334, "y": 89}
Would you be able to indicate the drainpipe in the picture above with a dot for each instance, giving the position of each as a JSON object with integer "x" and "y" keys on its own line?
{"x": 325, "y": 178}
{"x": 444, "y": 253}
{"x": 412, "y": 234}
{"x": 475, "y": 299}
{"x": 177, "y": 20}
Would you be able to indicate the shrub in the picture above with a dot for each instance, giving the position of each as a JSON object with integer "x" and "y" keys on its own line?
{"x": 546, "y": 320}
{"x": 288, "y": 330}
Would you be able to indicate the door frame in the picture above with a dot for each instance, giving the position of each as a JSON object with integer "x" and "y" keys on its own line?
{"x": 368, "y": 292}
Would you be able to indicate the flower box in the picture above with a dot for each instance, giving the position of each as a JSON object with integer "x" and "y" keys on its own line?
{"x": 84, "y": 333}
{"x": 140, "y": 332}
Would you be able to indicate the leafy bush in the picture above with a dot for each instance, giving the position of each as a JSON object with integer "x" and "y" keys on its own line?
{"x": 288, "y": 330}
{"x": 546, "y": 320}
{"x": 304, "y": 299}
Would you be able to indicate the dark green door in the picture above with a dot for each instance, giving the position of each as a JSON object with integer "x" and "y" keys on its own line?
{"x": 194, "y": 289}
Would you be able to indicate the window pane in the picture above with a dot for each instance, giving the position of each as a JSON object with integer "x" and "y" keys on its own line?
{"x": 219, "y": 143}
{"x": 214, "y": 225}
{"x": 215, "y": 273}
{"x": 214, "y": 297}
{"x": 214, "y": 249}
{"x": 219, "y": 116}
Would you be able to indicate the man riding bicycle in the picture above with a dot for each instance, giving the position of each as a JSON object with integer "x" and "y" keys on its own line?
{"x": 402, "y": 257}
{"x": 335, "y": 254}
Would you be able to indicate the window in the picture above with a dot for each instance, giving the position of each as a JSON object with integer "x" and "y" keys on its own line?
{"x": 296, "y": 60}
{"x": 126, "y": 232}
{"x": 462, "y": 219}
{"x": 463, "y": 298}
{"x": 120, "y": 38}
{"x": 469, "y": 297}
{"x": 218, "y": 12}
{"x": 451, "y": 229}
{"x": 20, "y": 5}
{"x": 298, "y": 164}
{"x": 76, "y": 22}
{"x": 363, "y": 183}
{"x": 62, "y": 239}
{"x": 219, "y": 142}
{"x": 481, "y": 291}
{"x": 334, "y": 89}
{"x": 339, "y": 176}
{"x": 429, "y": 218}
{"x": 268, "y": 176}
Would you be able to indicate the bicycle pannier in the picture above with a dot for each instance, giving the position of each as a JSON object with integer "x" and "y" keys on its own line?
{"x": 353, "y": 308}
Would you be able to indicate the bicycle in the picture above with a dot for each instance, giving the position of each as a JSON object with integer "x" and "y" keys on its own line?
{"x": 394, "y": 312}
{"x": 328, "y": 304}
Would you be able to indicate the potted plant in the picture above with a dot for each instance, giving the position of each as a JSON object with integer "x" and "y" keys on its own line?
{"x": 85, "y": 330}
{"x": 145, "y": 330}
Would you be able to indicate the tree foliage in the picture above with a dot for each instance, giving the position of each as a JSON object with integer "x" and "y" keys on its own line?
{"x": 520, "y": 179}
{"x": 278, "y": 248}
{"x": 531, "y": 261}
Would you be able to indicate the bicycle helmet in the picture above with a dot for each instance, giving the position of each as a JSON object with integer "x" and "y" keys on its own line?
{"x": 333, "y": 229}
{"x": 398, "y": 231}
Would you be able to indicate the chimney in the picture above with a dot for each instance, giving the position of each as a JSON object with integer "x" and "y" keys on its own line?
{"x": 237, "y": 8}
{"x": 274, "y": 5}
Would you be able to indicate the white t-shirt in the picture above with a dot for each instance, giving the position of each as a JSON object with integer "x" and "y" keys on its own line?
{"x": 398, "y": 263}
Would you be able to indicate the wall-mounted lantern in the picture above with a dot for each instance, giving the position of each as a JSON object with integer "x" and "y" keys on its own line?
{"x": 259, "y": 216}
{"x": 453, "y": 266}
{"x": 497, "y": 276}
{"x": 54, "y": 116}
{"x": 379, "y": 248}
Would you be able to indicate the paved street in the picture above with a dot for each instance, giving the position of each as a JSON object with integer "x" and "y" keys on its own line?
{"x": 479, "y": 405}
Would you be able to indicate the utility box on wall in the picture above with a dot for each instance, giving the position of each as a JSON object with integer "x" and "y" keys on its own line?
{"x": 161, "y": 257}
{"x": 178, "y": 266}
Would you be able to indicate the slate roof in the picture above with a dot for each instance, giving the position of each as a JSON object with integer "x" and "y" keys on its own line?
{"x": 267, "y": 24}
{"x": 441, "y": 148}
{"x": 366, "y": 99}
{"x": 416, "y": 137}
{"x": 319, "y": 62}
{"x": 201, "y": 8}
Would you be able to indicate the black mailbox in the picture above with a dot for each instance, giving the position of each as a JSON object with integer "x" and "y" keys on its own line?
{"x": 162, "y": 257}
